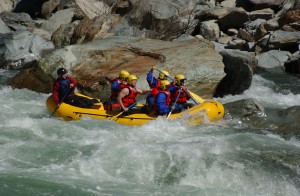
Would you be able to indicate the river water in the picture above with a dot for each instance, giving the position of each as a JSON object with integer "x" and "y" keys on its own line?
{"x": 46, "y": 156}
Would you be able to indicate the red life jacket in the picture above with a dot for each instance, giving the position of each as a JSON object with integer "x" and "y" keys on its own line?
{"x": 130, "y": 98}
{"x": 167, "y": 101}
{"x": 158, "y": 83}
{"x": 183, "y": 97}
{"x": 155, "y": 90}
{"x": 121, "y": 87}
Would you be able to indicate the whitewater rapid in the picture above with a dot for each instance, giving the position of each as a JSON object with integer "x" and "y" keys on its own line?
{"x": 47, "y": 156}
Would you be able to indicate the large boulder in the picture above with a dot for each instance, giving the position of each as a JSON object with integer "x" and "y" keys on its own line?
{"x": 57, "y": 19}
{"x": 250, "y": 113}
{"x": 210, "y": 30}
{"x": 22, "y": 48}
{"x": 234, "y": 19}
{"x": 165, "y": 19}
{"x": 6, "y": 5}
{"x": 244, "y": 109}
{"x": 280, "y": 40}
{"x": 96, "y": 28}
{"x": 17, "y": 21}
{"x": 62, "y": 36}
{"x": 92, "y": 8}
{"x": 239, "y": 66}
{"x": 91, "y": 62}
{"x": 273, "y": 60}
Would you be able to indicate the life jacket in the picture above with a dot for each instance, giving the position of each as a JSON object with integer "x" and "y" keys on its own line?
{"x": 155, "y": 90}
{"x": 167, "y": 101}
{"x": 130, "y": 98}
{"x": 158, "y": 83}
{"x": 183, "y": 97}
{"x": 121, "y": 86}
{"x": 113, "y": 92}
{"x": 64, "y": 87}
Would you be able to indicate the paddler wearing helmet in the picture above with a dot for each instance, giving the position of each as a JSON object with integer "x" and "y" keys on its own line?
{"x": 179, "y": 93}
{"x": 162, "y": 99}
{"x": 63, "y": 91}
{"x": 116, "y": 84}
{"x": 154, "y": 84}
{"x": 129, "y": 92}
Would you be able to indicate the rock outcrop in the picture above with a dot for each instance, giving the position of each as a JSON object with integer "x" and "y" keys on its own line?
{"x": 92, "y": 62}
{"x": 246, "y": 34}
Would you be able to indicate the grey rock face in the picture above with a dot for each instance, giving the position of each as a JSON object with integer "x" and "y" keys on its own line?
{"x": 21, "y": 48}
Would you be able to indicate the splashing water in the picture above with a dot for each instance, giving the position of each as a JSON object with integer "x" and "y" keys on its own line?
{"x": 41, "y": 155}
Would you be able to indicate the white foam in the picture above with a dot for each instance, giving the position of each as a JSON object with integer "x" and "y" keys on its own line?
{"x": 264, "y": 91}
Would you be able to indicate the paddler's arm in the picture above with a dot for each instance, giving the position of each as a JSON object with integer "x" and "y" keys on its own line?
{"x": 142, "y": 92}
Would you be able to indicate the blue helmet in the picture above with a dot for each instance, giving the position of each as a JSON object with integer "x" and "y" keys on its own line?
{"x": 62, "y": 71}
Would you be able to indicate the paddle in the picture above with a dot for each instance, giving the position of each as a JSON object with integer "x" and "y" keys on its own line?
{"x": 196, "y": 102}
{"x": 198, "y": 98}
{"x": 132, "y": 105}
{"x": 174, "y": 103}
{"x": 60, "y": 103}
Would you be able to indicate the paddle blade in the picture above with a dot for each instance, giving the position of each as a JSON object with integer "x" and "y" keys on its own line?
{"x": 196, "y": 97}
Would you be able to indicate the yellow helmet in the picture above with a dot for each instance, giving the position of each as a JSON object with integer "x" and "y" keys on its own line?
{"x": 179, "y": 77}
{"x": 131, "y": 77}
{"x": 164, "y": 84}
{"x": 163, "y": 74}
{"x": 123, "y": 74}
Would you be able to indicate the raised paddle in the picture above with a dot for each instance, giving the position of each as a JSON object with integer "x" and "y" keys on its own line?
{"x": 174, "y": 103}
{"x": 180, "y": 85}
{"x": 60, "y": 103}
{"x": 132, "y": 105}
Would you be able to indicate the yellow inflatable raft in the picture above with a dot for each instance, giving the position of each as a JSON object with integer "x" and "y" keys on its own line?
{"x": 211, "y": 110}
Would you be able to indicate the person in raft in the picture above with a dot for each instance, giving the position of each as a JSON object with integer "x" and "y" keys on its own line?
{"x": 117, "y": 84}
{"x": 129, "y": 92}
{"x": 179, "y": 91}
{"x": 154, "y": 84}
{"x": 162, "y": 99}
{"x": 64, "y": 88}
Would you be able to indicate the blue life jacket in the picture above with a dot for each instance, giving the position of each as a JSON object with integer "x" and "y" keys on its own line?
{"x": 64, "y": 86}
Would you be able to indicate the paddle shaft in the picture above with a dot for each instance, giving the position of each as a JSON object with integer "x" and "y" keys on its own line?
{"x": 65, "y": 95}
{"x": 174, "y": 103}
{"x": 196, "y": 102}
{"x": 132, "y": 105}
